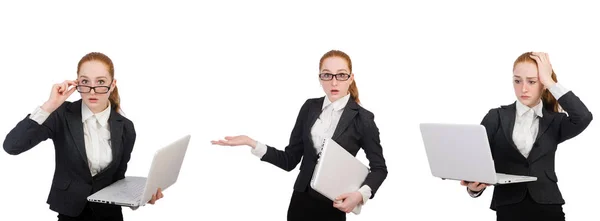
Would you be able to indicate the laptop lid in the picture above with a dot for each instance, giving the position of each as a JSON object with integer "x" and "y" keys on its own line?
{"x": 165, "y": 167}
{"x": 458, "y": 152}
{"x": 337, "y": 171}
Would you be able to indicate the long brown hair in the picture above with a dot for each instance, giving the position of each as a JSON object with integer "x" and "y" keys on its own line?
{"x": 336, "y": 53}
{"x": 548, "y": 99}
{"x": 113, "y": 98}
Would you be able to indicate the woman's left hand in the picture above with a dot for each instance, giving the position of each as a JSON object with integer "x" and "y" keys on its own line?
{"x": 544, "y": 68}
{"x": 156, "y": 196}
{"x": 348, "y": 201}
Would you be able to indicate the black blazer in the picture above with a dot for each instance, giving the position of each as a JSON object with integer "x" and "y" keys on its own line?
{"x": 355, "y": 129}
{"x": 72, "y": 182}
{"x": 555, "y": 128}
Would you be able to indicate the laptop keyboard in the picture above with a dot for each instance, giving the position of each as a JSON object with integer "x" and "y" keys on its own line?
{"x": 130, "y": 191}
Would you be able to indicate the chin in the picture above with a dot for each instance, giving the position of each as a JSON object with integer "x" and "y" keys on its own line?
{"x": 333, "y": 96}
{"x": 528, "y": 103}
{"x": 96, "y": 105}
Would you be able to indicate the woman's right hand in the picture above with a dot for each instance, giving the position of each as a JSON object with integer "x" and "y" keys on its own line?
{"x": 59, "y": 94}
{"x": 236, "y": 141}
{"x": 474, "y": 186}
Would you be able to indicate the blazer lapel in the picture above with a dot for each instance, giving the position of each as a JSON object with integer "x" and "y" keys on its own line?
{"x": 545, "y": 121}
{"x": 115, "y": 123}
{"x": 313, "y": 114}
{"x": 346, "y": 118}
{"x": 73, "y": 117}
{"x": 507, "y": 118}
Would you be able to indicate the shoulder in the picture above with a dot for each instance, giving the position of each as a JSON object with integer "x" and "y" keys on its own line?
{"x": 63, "y": 107}
{"x": 126, "y": 121}
{"x": 365, "y": 114}
{"x": 365, "y": 118}
{"x": 312, "y": 102}
{"x": 496, "y": 110}
{"x": 66, "y": 106}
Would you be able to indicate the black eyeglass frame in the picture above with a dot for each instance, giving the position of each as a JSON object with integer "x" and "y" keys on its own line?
{"x": 339, "y": 77}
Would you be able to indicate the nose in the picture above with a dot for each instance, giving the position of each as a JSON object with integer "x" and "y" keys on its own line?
{"x": 524, "y": 88}
{"x": 93, "y": 91}
{"x": 334, "y": 82}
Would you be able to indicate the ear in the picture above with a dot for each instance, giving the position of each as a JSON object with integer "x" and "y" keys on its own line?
{"x": 351, "y": 77}
{"x": 113, "y": 84}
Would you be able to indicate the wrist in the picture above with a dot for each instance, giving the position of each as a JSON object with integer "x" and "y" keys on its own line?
{"x": 474, "y": 191}
{"x": 549, "y": 83}
{"x": 252, "y": 143}
{"x": 360, "y": 197}
{"x": 48, "y": 107}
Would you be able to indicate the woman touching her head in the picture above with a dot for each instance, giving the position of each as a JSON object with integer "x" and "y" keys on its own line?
{"x": 92, "y": 140}
{"x": 524, "y": 136}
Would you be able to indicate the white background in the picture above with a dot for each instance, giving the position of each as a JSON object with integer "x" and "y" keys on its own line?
{"x": 228, "y": 68}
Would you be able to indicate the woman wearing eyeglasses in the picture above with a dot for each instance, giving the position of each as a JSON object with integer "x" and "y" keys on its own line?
{"x": 338, "y": 116}
{"x": 92, "y": 140}
{"x": 524, "y": 137}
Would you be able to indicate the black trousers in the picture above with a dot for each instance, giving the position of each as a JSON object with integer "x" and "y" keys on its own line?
{"x": 96, "y": 212}
{"x": 312, "y": 206}
{"x": 529, "y": 210}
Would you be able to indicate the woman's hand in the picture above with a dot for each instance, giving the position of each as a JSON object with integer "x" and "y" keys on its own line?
{"x": 348, "y": 201}
{"x": 236, "y": 141}
{"x": 156, "y": 196}
{"x": 59, "y": 94}
{"x": 544, "y": 68}
{"x": 474, "y": 186}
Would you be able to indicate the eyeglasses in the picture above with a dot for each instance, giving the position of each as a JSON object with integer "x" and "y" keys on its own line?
{"x": 329, "y": 77}
{"x": 97, "y": 89}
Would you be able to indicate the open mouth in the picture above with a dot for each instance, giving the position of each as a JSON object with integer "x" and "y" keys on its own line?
{"x": 334, "y": 91}
{"x": 93, "y": 99}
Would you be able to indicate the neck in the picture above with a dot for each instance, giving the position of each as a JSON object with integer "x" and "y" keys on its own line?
{"x": 99, "y": 109}
{"x": 535, "y": 104}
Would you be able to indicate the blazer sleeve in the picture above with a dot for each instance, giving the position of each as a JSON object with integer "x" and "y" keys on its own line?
{"x": 371, "y": 144}
{"x": 578, "y": 119}
{"x": 491, "y": 122}
{"x": 29, "y": 133}
{"x": 289, "y": 158}
{"x": 129, "y": 137}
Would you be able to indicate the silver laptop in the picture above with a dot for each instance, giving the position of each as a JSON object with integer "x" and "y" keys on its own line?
{"x": 136, "y": 191}
{"x": 462, "y": 152}
{"x": 337, "y": 172}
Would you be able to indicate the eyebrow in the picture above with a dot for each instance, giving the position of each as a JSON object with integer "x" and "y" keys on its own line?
{"x": 344, "y": 70}
{"x": 101, "y": 77}
{"x": 516, "y": 76}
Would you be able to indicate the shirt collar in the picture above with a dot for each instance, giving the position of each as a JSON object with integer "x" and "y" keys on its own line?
{"x": 537, "y": 109}
{"x": 102, "y": 117}
{"x": 338, "y": 104}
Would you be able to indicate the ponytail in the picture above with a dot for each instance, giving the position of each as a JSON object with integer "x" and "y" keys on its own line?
{"x": 354, "y": 91}
{"x": 115, "y": 100}
{"x": 549, "y": 101}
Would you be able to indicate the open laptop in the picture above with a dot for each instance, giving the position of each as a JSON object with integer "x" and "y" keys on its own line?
{"x": 137, "y": 191}
{"x": 462, "y": 152}
{"x": 337, "y": 172}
